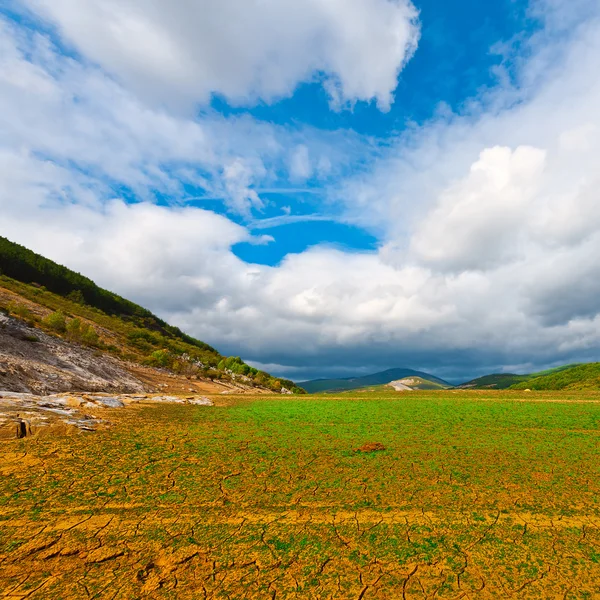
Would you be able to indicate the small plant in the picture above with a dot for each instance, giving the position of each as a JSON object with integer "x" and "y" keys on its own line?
{"x": 77, "y": 331}
{"x": 90, "y": 336}
{"x": 56, "y": 321}
{"x": 160, "y": 358}
{"x": 21, "y": 311}
{"x": 74, "y": 329}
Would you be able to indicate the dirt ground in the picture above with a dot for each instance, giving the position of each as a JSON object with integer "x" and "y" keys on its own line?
{"x": 472, "y": 496}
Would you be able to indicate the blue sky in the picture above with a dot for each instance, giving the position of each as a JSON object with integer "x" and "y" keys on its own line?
{"x": 457, "y": 58}
{"x": 322, "y": 187}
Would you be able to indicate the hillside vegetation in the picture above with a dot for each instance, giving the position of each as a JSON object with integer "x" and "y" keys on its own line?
{"x": 578, "y": 377}
{"x": 66, "y": 304}
{"x": 505, "y": 381}
{"x": 498, "y": 381}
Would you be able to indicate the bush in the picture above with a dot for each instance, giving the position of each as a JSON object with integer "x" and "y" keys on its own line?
{"x": 90, "y": 336}
{"x": 56, "y": 321}
{"x": 77, "y": 331}
{"x": 160, "y": 358}
{"x": 262, "y": 378}
{"x": 141, "y": 338}
{"x": 74, "y": 328}
{"x": 236, "y": 365}
{"x": 76, "y": 296}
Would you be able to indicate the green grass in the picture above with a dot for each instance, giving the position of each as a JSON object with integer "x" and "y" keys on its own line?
{"x": 269, "y": 495}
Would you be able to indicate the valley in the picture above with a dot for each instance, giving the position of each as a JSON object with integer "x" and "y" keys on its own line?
{"x": 299, "y": 300}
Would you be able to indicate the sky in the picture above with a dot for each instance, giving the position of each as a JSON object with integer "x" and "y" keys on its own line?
{"x": 322, "y": 187}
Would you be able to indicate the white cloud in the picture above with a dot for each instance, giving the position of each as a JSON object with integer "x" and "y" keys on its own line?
{"x": 76, "y": 115}
{"x": 477, "y": 222}
{"x": 300, "y": 164}
{"x": 180, "y": 53}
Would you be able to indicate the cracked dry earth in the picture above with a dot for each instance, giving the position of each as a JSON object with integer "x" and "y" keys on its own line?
{"x": 474, "y": 496}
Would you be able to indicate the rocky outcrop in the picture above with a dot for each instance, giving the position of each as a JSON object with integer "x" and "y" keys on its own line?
{"x": 399, "y": 386}
{"x": 23, "y": 415}
{"x": 32, "y": 361}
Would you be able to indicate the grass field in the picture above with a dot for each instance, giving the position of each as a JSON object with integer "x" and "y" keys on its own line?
{"x": 477, "y": 495}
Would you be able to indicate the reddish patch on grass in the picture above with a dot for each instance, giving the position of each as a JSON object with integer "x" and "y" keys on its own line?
{"x": 371, "y": 447}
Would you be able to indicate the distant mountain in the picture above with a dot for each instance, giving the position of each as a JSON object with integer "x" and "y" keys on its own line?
{"x": 504, "y": 381}
{"x": 352, "y": 383}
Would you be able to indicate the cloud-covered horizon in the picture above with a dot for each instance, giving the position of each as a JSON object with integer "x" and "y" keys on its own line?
{"x": 487, "y": 217}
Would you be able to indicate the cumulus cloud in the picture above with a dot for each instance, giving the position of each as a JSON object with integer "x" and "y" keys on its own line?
{"x": 246, "y": 50}
{"x": 477, "y": 222}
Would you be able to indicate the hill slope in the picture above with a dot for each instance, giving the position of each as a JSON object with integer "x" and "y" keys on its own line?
{"x": 353, "y": 383}
{"x": 52, "y": 312}
{"x": 578, "y": 377}
{"x": 498, "y": 381}
{"x": 504, "y": 381}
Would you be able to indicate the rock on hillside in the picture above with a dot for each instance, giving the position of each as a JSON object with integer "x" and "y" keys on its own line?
{"x": 32, "y": 361}
{"x": 400, "y": 386}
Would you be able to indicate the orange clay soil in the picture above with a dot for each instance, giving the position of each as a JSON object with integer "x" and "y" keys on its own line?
{"x": 478, "y": 495}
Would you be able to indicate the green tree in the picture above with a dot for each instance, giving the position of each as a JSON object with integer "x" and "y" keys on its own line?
{"x": 160, "y": 358}
{"x": 76, "y": 296}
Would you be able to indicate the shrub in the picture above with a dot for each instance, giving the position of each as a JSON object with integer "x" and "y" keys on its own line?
{"x": 236, "y": 365}
{"x": 90, "y": 336}
{"x": 159, "y": 358}
{"x": 56, "y": 321}
{"x": 74, "y": 328}
{"x": 76, "y": 296}
{"x": 142, "y": 337}
{"x": 77, "y": 331}
{"x": 262, "y": 378}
